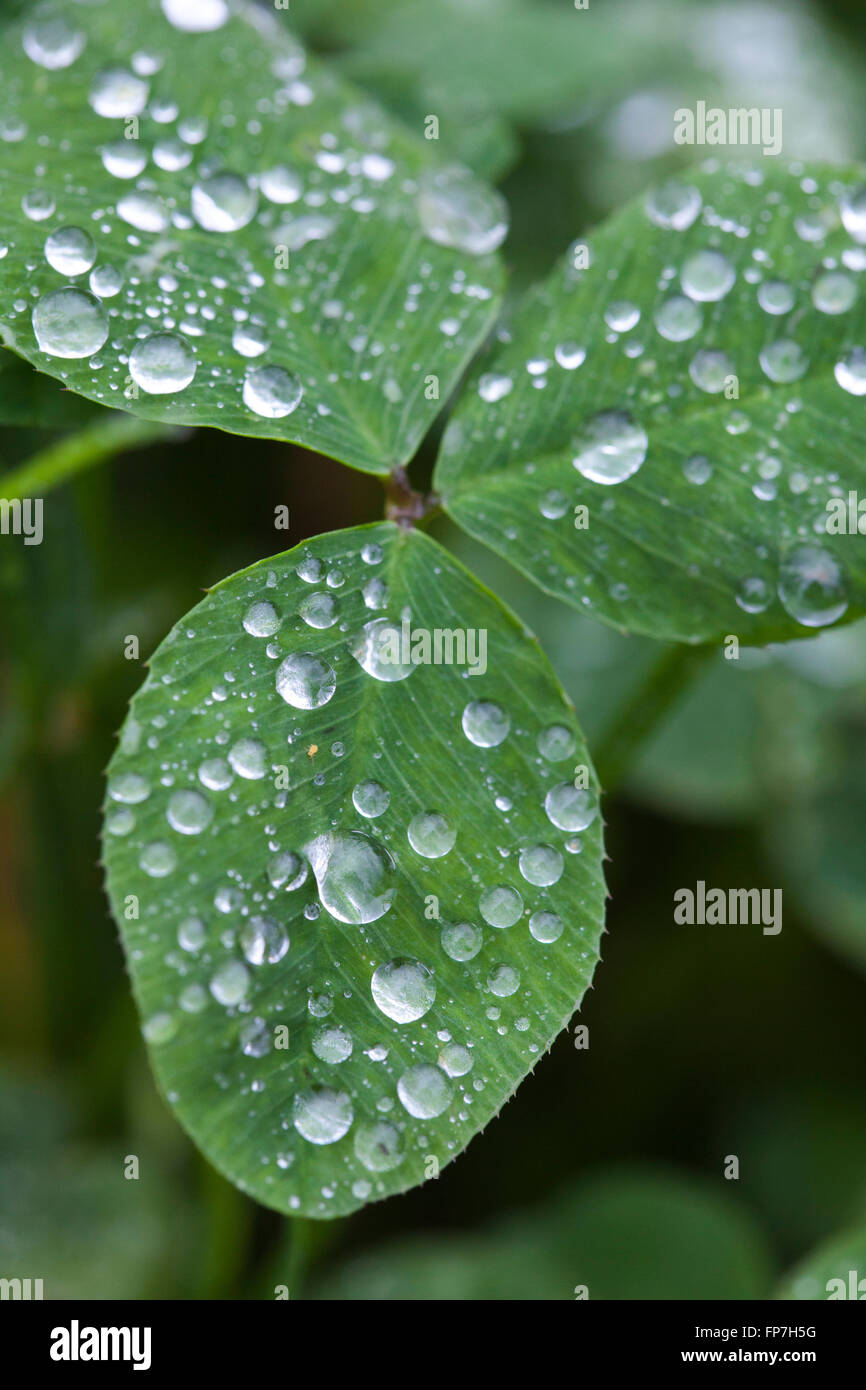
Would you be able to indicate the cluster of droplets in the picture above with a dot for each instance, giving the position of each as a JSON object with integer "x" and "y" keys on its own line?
{"x": 353, "y": 872}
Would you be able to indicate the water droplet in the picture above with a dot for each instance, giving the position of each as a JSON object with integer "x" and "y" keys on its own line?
{"x": 710, "y": 369}
{"x": 319, "y": 610}
{"x": 158, "y": 859}
{"x": 812, "y": 585}
{"x": 263, "y": 941}
{"x": 673, "y": 206}
{"x": 571, "y": 808}
{"x": 370, "y": 799}
{"x": 159, "y": 1028}
{"x": 503, "y": 980}
{"x": 403, "y": 990}
{"x": 120, "y": 822}
{"x": 455, "y": 1060}
{"x": 707, "y": 275}
{"x": 541, "y": 865}
{"x": 255, "y": 1038}
{"x": 124, "y": 159}
{"x": 556, "y": 743}
{"x": 485, "y": 724}
{"x": 224, "y": 202}
{"x": 51, "y": 42}
{"x": 281, "y": 185}
{"x": 250, "y": 340}
{"x": 753, "y": 594}
{"x": 106, "y": 281}
{"x": 494, "y": 387}
{"x": 461, "y": 940}
{"x": 375, "y": 593}
{"x": 196, "y": 16}
{"x": 853, "y": 212}
{"x": 248, "y": 757}
{"x": 850, "y": 372}
{"x": 261, "y": 619}
{"x": 501, "y": 906}
{"x": 431, "y": 835}
{"x": 545, "y": 926}
{"x": 458, "y": 210}
{"x": 553, "y": 505}
{"x": 38, "y": 204}
{"x": 272, "y": 392}
{"x": 188, "y": 812}
{"x": 332, "y": 1045}
{"x": 287, "y": 871}
{"x": 697, "y": 469}
{"x": 144, "y": 211}
{"x": 230, "y": 983}
{"x": 215, "y": 774}
{"x": 776, "y": 297}
{"x": 424, "y": 1091}
{"x": 570, "y": 355}
{"x": 322, "y": 1116}
{"x": 191, "y": 934}
{"x": 622, "y": 315}
{"x": 306, "y": 681}
{"x": 162, "y": 364}
{"x": 378, "y": 1147}
{"x": 355, "y": 876}
{"x": 834, "y": 292}
{"x": 610, "y": 448}
{"x": 118, "y": 94}
{"x": 129, "y": 787}
{"x": 70, "y": 323}
{"x": 378, "y": 650}
{"x": 171, "y": 155}
{"x": 678, "y": 319}
{"x": 784, "y": 360}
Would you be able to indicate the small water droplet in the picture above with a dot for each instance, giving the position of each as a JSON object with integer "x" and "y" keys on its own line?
{"x": 355, "y": 876}
{"x": 70, "y": 324}
{"x": 812, "y": 585}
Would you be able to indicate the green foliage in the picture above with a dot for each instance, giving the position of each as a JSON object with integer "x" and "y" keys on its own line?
{"x": 701, "y": 510}
{"x": 377, "y": 856}
{"x": 346, "y": 289}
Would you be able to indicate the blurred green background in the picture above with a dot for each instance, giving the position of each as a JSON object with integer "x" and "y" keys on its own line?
{"x": 607, "y": 1169}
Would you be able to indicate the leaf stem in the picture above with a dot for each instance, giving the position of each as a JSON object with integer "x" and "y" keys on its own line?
{"x": 403, "y": 504}
{"x": 669, "y": 676}
{"x": 76, "y": 453}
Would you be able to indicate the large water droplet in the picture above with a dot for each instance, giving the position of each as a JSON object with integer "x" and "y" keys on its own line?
{"x": 196, "y": 16}
{"x": 430, "y": 835}
{"x": 571, "y": 808}
{"x": 321, "y": 1115}
{"x": 263, "y": 941}
{"x": 50, "y": 41}
{"x": 776, "y": 297}
{"x": 678, "y": 319}
{"x": 461, "y": 940}
{"x": 501, "y": 906}
{"x": 224, "y": 202}
{"x": 610, "y": 448}
{"x": 355, "y": 876}
{"x": 332, "y": 1045}
{"x": 158, "y": 859}
{"x": 118, "y": 94}
{"x": 457, "y": 210}
{"x": 272, "y": 392}
{"x": 485, "y": 724}
{"x": 143, "y": 211}
{"x": 378, "y": 1147}
{"x": 124, "y": 159}
{"x": 188, "y": 812}
{"x": 377, "y": 649}
{"x": 545, "y": 926}
{"x": 261, "y": 619}
{"x": 784, "y": 360}
{"x": 370, "y": 799}
{"x": 403, "y": 990}
{"x": 812, "y": 585}
{"x": 319, "y": 610}
{"x": 249, "y": 757}
{"x": 230, "y": 983}
{"x": 305, "y": 681}
{"x": 162, "y": 364}
{"x": 850, "y": 372}
{"x": 541, "y": 865}
{"x": 707, "y": 275}
{"x": 673, "y": 205}
{"x": 710, "y": 369}
{"x": 70, "y": 323}
{"x": 129, "y": 787}
{"x": 503, "y": 980}
{"x": 834, "y": 292}
{"x": 424, "y": 1091}
{"x": 281, "y": 185}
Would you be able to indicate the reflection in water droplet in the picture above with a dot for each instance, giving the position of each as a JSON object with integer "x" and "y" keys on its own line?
{"x": 461, "y": 940}
{"x": 455, "y": 1060}
{"x": 263, "y": 941}
{"x": 162, "y": 364}
{"x": 332, "y": 1045}
{"x": 261, "y": 619}
{"x": 501, "y": 906}
{"x": 378, "y": 1147}
{"x": 287, "y": 871}
{"x": 541, "y": 865}
{"x": 191, "y": 934}
{"x": 281, "y": 185}
{"x": 158, "y": 859}
{"x": 424, "y": 1091}
{"x": 224, "y": 202}
{"x": 784, "y": 360}
{"x": 255, "y": 1038}
{"x": 378, "y": 650}
{"x": 356, "y": 876}
{"x": 571, "y": 808}
{"x": 272, "y": 392}
{"x": 129, "y": 787}
{"x": 70, "y": 324}
{"x": 710, "y": 369}
{"x": 319, "y": 610}
{"x": 118, "y": 94}
{"x": 812, "y": 585}
{"x": 753, "y": 595}
{"x": 678, "y": 319}
{"x": 673, "y": 205}
{"x": 188, "y": 812}
{"x": 106, "y": 281}
{"x": 545, "y": 926}
{"x": 610, "y": 447}
{"x": 503, "y": 980}
{"x": 370, "y": 799}
{"x": 834, "y": 292}
{"x": 51, "y": 42}
{"x": 776, "y": 297}
{"x": 321, "y": 1115}
{"x": 697, "y": 469}
{"x": 70, "y": 251}
{"x": 430, "y": 835}
{"x": 248, "y": 757}
{"x": 707, "y": 276}
{"x": 556, "y": 743}
{"x": 458, "y": 210}
{"x": 306, "y": 681}
{"x": 403, "y": 990}
{"x": 230, "y": 983}
{"x": 485, "y": 724}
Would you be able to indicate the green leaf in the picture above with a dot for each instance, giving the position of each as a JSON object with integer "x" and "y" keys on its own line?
{"x": 826, "y": 1273}
{"x": 744, "y": 551}
{"x": 635, "y": 1234}
{"x": 361, "y": 310}
{"x": 233, "y": 828}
